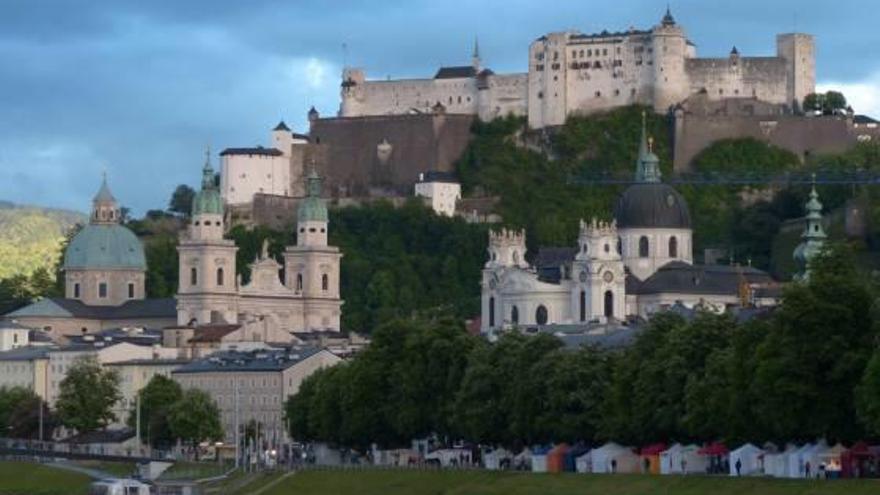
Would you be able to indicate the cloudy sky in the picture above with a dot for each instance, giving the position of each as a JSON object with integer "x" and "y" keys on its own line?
{"x": 139, "y": 88}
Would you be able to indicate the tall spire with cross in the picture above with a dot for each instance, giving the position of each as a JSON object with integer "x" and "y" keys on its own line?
{"x": 813, "y": 237}
{"x": 648, "y": 164}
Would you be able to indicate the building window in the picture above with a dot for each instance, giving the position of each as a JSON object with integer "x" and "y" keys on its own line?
{"x": 130, "y": 290}
{"x": 193, "y": 276}
{"x": 299, "y": 281}
{"x": 325, "y": 282}
{"x": 76, "y": 290}
{"x": 673, "y": 247}
{"x": 541, "y": 315}
{"x": 583, "y": 305}
{"x": 491, "y": 311}
{"x": 102, "y": 290}
{"x": 609, "y": 304}
{"x": 643, "y": 247}
{"x": 514, "y": 315}
{"x": 220, "y": 277}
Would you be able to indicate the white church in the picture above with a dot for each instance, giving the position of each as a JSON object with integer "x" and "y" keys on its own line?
{"x": 306, "y": 299}
{"x": 639, "y": 263}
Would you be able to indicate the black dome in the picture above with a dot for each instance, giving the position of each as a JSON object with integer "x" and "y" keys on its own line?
{"x": 651, "y": 205}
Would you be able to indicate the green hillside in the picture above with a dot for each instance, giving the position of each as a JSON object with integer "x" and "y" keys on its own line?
{"x": 31, "y": 238}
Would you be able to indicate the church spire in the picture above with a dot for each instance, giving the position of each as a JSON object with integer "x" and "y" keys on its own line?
{"x": 208, "y": 171}
{"x": 813, "y": 236}
{"x": 648, "y": 165}
{"x": 475, "y": 56}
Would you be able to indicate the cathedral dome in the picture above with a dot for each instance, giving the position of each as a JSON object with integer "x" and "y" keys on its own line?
{"x": 109, "y": 246}
{"x": 652, "y": 205}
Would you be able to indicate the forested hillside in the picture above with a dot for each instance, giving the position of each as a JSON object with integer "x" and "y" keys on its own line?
{"x": 31, "y": 238}
{"x": 548, "y": 192}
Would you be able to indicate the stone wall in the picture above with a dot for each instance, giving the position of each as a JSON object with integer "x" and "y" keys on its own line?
{"x": 802, "y": 135}
{"x": 384, "y": 155}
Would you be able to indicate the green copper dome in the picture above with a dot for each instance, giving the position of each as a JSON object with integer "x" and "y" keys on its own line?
{"x": 207, "y": 201}
{"x": 312, "y": 208}
{"x": 105, "y": 246}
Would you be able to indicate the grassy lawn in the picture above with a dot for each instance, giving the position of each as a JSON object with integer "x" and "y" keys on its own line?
{"x": 483, "y": 483}
{"x": 118, "y": 469}
{"x": 20, "y": 478}
{"x": 194, "y": 470}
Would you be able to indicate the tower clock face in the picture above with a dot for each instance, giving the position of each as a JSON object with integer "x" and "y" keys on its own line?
{"x": 583, "y": 276}
{"x": 608, "y": 277}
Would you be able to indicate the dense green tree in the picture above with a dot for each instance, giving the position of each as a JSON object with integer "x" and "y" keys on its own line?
{"x": 181, "y": 200}
{"x": 868, "y": 396}
{"x": 815, "y": 352}
{"x": 24, "y": 420}
{"x": 828, "y": 103}
{"x": 87, "y": 395}
{"x": 10, "y": 399}
{"x": 156, "y": 400}
{"x": 195, "y": 418}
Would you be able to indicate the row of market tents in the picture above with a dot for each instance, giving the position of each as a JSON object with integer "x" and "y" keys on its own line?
{"x": 812, "y": 460}
{"x": 806, "y": 461}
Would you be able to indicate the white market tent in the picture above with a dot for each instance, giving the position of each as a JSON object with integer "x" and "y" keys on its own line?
{"x": 814, "y": 456}
{"x": 584, "y": 463}
{"x": 539, "y": 460}
{"x": 492, "y": 460}
{"x": 796, "y": 464}
{"x": 609, "y": 455}
{"x": 779, "y": 464}
{"x": 751, "y": 459}
{"x": 682, "y": 459}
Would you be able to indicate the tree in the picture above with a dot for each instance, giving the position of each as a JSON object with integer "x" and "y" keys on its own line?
{"x": 156, "y": 400}
{"x": 829, "y": 103}
{"x": 87, "y": 395}
{"x": 24, "y": 421}
{"x": 815, "y": 352}
{"x": 195, "y": 418}
{"x": 181, "y": 200}
{"x": 868, "y": 395}
{"x": 10, "y": 399}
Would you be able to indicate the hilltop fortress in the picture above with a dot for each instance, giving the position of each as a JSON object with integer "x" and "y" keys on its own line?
{"x": 570, "y": 72}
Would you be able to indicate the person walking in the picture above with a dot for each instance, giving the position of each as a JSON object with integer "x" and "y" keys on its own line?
{"x": 738, "y": 467}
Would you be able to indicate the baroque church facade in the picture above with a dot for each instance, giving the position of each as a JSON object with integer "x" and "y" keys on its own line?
{"x": 300, "y": 295}
{"x": 635, "y": 265}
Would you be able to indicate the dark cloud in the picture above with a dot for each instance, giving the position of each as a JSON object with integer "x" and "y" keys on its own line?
{"x": 140, "y": 87}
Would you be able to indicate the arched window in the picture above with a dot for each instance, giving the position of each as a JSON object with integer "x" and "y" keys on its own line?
{"x": 673, "y": 247}
{"x": 514, "y": 315}
{"x": 491, "y": 311}
{"x": 643, "y": 247}
{"x": 325, "y": 282}
{"x": 219, "y": 277}
{"x": 76, "y": 290}
{"x": 583, "y": 305}
{"x": 299, "y": 281}
{"x": 541, "y": 315}
{"x": 609, "y": 303}
{"x": 193, "y": 276}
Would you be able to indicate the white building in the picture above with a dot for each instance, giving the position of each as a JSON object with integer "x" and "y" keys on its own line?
{"x": 13, "y": 335}
{"x": 253, "y": 386}
{"x": 570, "y": 72}
{"x": 441, "y": 191}
{"x": 635, "y": 265}
{"x": 209, "y": 292}
{"x": 275, "y": 170}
